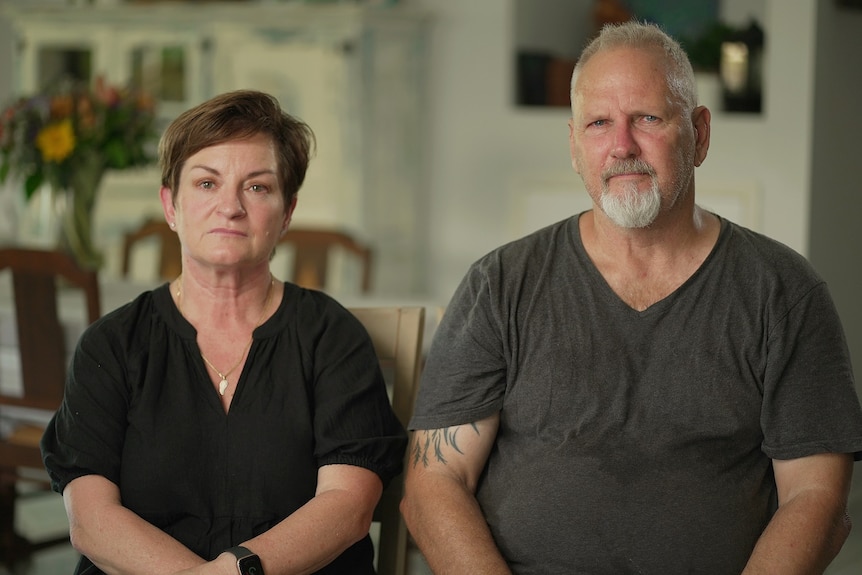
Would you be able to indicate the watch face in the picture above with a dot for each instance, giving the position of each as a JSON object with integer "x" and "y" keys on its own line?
{"x": 250, "y": 565}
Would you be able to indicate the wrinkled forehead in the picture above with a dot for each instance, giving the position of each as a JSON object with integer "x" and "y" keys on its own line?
{"x": 623, "y": 76}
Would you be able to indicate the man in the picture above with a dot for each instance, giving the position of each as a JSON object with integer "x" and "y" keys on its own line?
{"x": 642, "y": 388}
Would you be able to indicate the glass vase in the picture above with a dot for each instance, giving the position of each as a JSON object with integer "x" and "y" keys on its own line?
{"x": 78, "y": 198}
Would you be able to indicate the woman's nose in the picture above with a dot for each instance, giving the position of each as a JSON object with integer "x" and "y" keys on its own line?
{"x": 230, "y": 204}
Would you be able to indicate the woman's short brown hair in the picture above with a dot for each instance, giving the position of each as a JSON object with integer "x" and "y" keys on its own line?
{"x": 234, "y": 116}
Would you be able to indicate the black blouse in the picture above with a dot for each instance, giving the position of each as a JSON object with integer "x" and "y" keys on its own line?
{"x": 141, "y": 410}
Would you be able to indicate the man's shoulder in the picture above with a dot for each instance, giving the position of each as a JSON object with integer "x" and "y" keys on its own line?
{"x": 764, "y": 249}
{"x": 755, "y": 261}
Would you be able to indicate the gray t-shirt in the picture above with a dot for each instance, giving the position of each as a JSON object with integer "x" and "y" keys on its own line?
{"x": 639, "y": 442}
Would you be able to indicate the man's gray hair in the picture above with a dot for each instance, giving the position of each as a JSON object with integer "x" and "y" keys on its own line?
{"x": 680, "y": 76}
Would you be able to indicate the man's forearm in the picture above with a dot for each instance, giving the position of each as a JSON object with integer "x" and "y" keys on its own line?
{"x": 803, "y": 538}
{"x": 449, "y": 528}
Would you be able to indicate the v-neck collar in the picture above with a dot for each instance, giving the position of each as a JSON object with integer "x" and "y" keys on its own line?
{"x": 615, "y": 300}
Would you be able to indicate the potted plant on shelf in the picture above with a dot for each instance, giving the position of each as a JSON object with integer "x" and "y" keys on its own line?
{"x": 67, "y": 138}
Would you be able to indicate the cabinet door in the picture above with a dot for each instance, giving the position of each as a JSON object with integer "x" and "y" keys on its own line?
{"x": 48, "y": 55}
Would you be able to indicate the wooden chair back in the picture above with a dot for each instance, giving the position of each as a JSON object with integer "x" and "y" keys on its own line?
{"x": 312, "y": 251}
{"x": 42, "y": 352}
{"x": 41, "y": 339}
{"x": 397, "y": 335}
{"x": 170, "y": 253}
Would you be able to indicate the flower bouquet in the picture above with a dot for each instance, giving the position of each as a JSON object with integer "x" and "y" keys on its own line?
{"x": 67, "y": 138}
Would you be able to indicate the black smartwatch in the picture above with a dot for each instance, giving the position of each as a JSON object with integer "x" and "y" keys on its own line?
{"x": 247, "y": 563}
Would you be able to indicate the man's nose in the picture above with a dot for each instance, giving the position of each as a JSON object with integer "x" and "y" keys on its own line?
{"x": 624, "y": 145}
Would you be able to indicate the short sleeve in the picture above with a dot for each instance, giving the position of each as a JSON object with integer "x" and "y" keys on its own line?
{"x": 354, "y": 422}
{"x": 464, "y": 378}
{"x": 809, "y": 400}
{"x": 86, "y": 435}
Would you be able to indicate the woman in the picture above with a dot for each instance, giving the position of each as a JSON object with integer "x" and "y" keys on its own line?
{"x": 225, "y": 408}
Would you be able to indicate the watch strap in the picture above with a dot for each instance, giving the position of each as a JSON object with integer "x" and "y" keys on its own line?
{"x": 239, "y": 552}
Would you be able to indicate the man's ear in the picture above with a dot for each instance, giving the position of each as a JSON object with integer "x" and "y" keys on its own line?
{"x": 572, "y": 145}
{"x": 701, "y": 119}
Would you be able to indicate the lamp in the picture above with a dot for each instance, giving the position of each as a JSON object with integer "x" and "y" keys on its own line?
{"x": 741, "y": 70}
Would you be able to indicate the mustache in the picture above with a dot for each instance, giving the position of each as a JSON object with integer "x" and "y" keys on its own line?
{"x": 628, "y": 166}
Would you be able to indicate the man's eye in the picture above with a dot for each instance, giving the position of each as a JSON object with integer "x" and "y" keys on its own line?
{"x": 650, "y": 118}
{"x": 599, "y": 123}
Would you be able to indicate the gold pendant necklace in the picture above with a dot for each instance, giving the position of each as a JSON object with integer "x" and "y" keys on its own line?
{"x": 222, "y": 385}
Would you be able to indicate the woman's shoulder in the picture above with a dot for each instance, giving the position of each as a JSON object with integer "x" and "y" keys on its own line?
{"x": 312, "y": 320}
{"x": 307, "y": 309}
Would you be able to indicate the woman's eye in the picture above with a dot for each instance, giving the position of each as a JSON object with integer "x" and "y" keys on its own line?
{"x": 258, "y": 188}
{"x": 207, "y": 185}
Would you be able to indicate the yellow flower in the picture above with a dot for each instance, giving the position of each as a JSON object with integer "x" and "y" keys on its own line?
{"x": 56, "y": 141}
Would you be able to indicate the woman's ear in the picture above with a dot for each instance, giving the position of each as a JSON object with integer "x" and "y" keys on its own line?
{"x": 168, "y": 207}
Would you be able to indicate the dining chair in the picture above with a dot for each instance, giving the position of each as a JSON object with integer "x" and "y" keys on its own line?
{"x": 36, "y": 278}
{"x": 168, "y": 244}
{"x": 312, "y": 249}
{"x": 397, "y": 336}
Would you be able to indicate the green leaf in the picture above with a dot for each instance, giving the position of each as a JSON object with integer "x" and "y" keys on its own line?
{"x": 115, "y": 155}
{"x": 31, "y": 184}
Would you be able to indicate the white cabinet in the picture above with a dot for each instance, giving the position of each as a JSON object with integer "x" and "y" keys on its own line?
{"x": 355, "y": 73}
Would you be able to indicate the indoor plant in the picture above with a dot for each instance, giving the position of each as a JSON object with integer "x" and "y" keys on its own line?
{"x": 66, "y": 138}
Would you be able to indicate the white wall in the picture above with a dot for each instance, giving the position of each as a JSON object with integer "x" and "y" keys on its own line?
{"x": 478, "y": 142}
{"x": 487, "y": 156}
